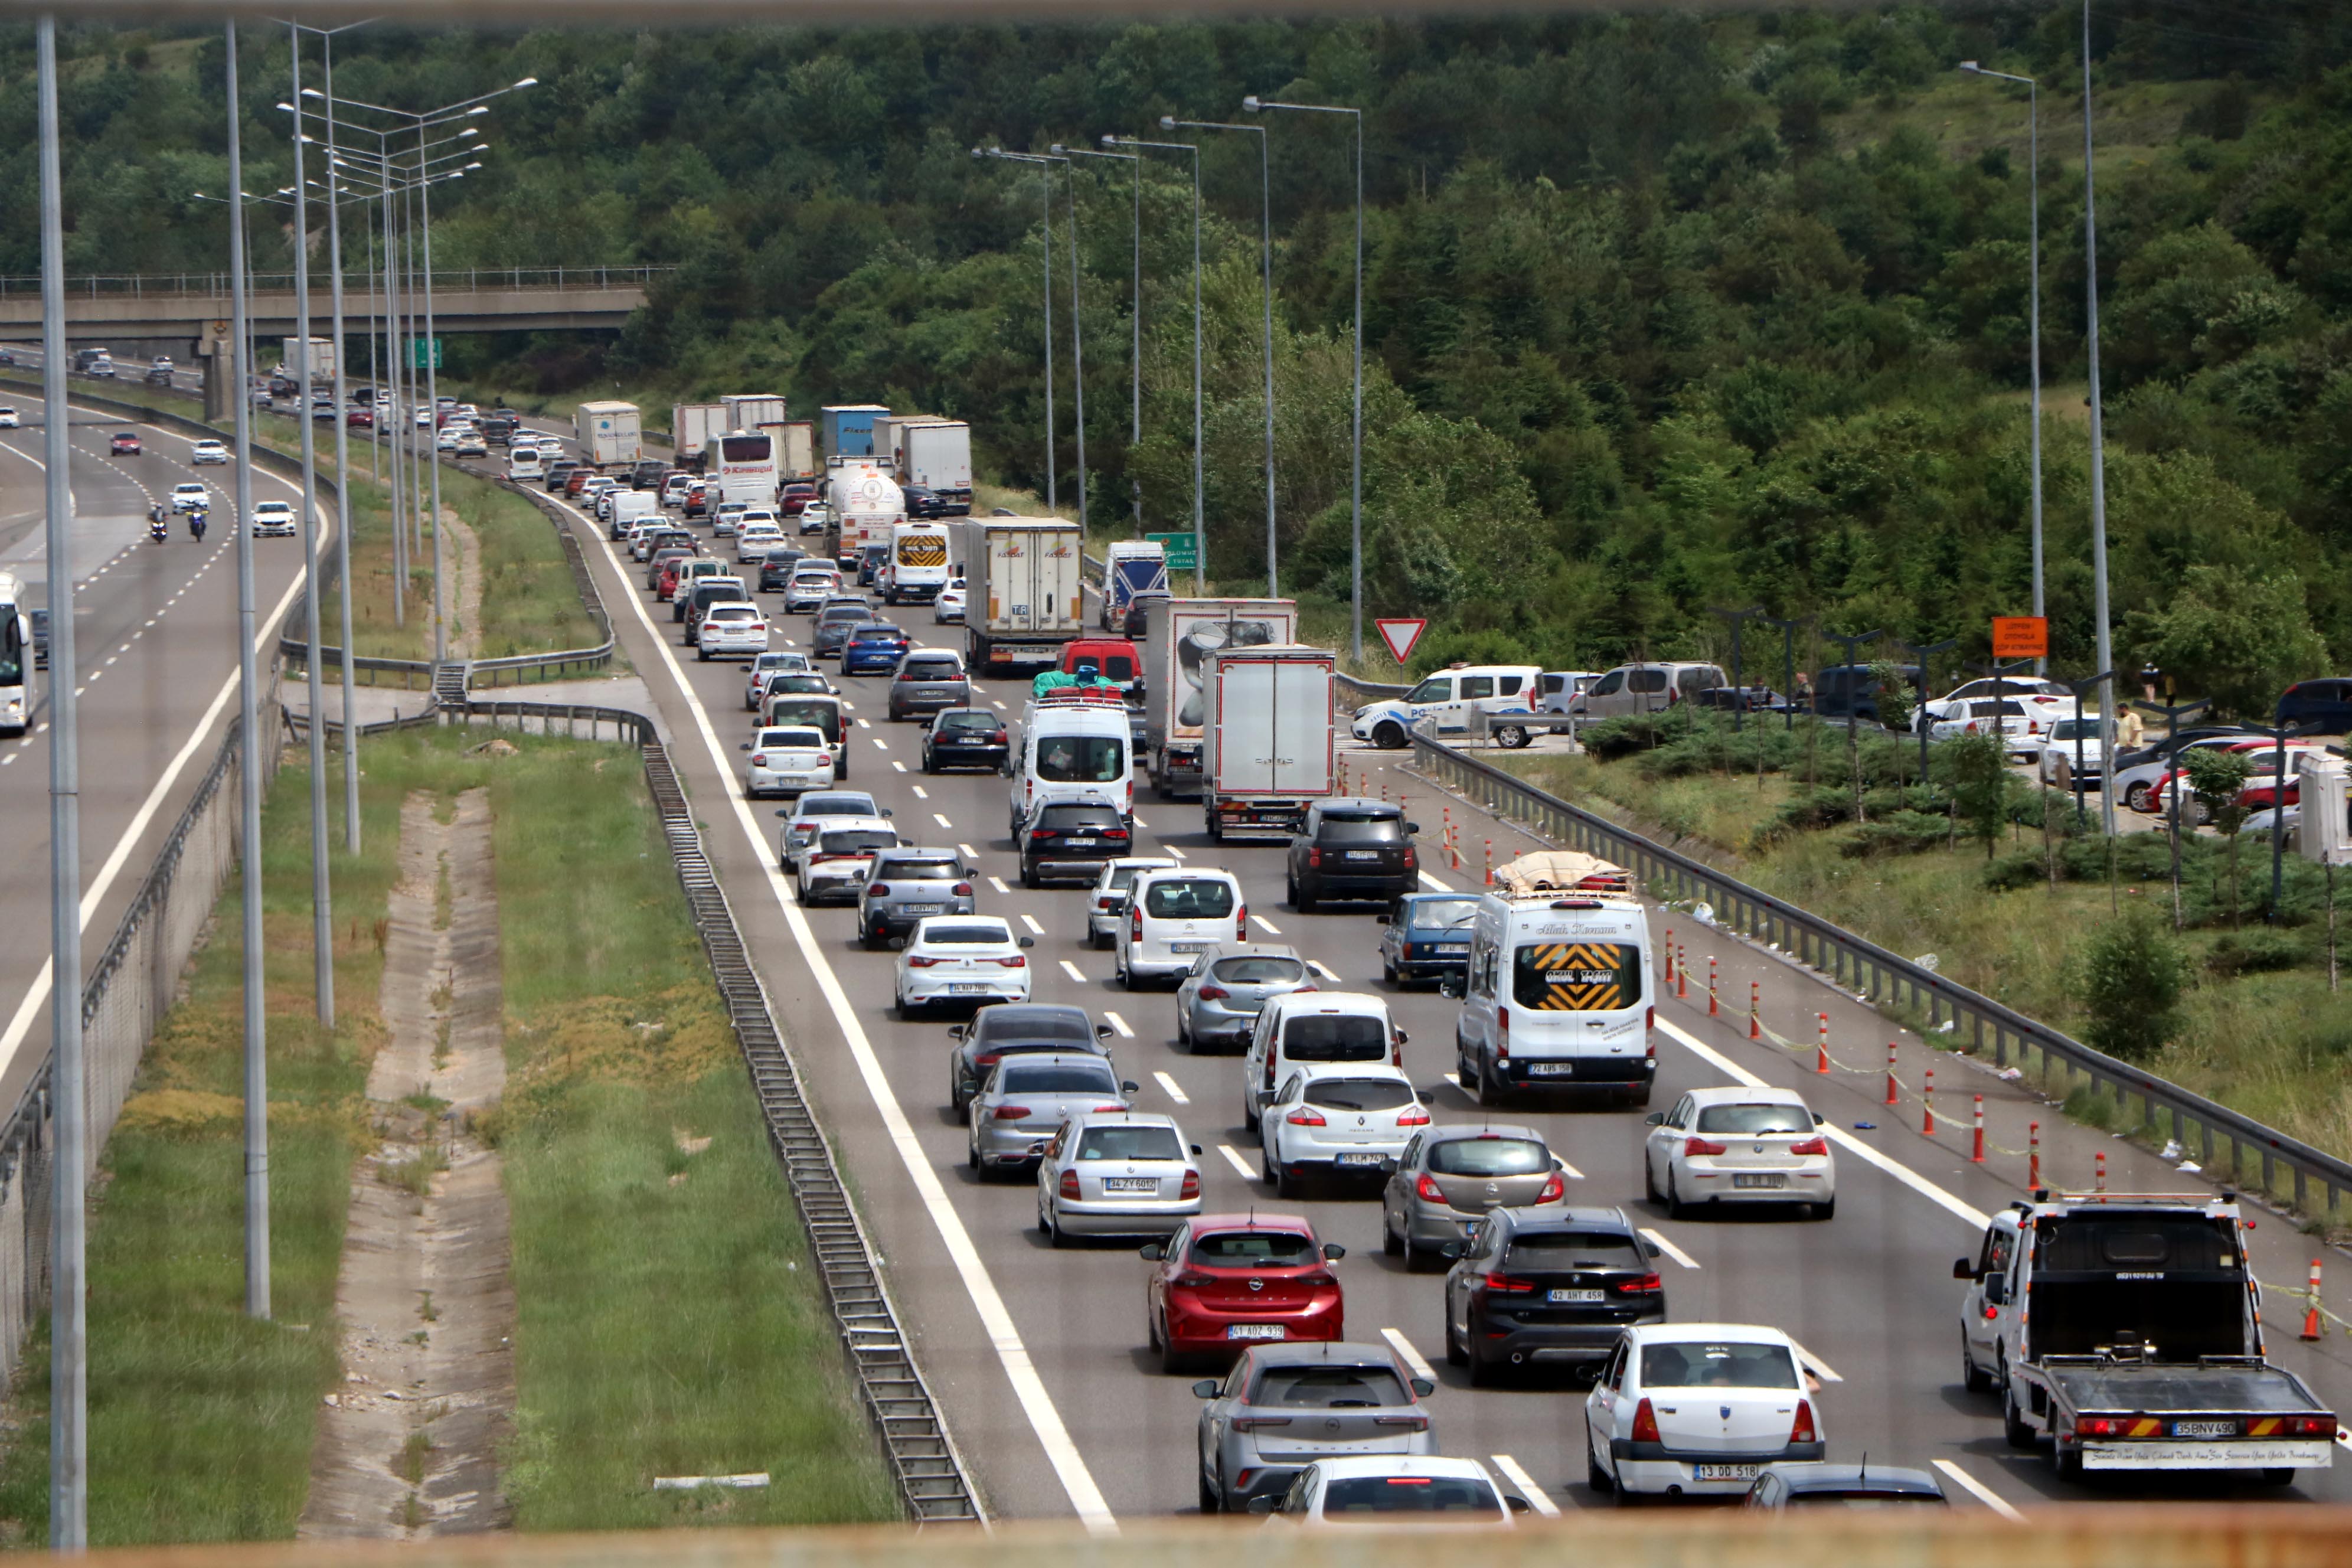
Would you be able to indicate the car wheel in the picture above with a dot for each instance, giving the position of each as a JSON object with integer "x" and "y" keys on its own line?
{"x": 1285, "y": 1185}
{"x": 1648, "y": 1178}
{"x": 1972, "y": 1378}
{"x": 2136, "y": 797}
{"x": 1489, "y": 1092}
{"x": 1388, "y": 734}
{"x": 1455, "y": 1354}
{"x": 1045, "y": 1225}
{"x": 1302, "y": 900}
{"x": 1599, "y": 1479}
{"x": 1389, "y": 1242}
{"x": 971, "y": 1157}
{"x": 1675, "y": 1207}
{"x": 2019, "y": 1430}
{"x": 1028, "y": 876}
{"x": 1388, "y": 971}
{"x": 1053, "y": 1233}
{"x": 1512, "y": 736}
{"x": 1483, "y": 1373}
{"x": 1129, "y": 979}
{"x": 1212, "y": 1495}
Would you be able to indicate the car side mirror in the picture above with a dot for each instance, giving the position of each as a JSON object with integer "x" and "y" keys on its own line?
{"x": 897, "y": 944}
{"x": 1388, "y": 1165}
{"x": 1422, "y": 1388}
{"x": 1655, "y": 1119}
{"x": 955, "y": 1031}
{"x": 1963, "y": 1269}
{"x": 1127, "y": 1086}
{"x": 1333, "y": 1252}
{"x": 744, "y": 747}
{"x": 1413, "y": 827}
{"x": 785, "y": 813}
{"x": 1819, "y": 1119}
{"x": 1449, "y": 1250}
{"x": 1517, "y": 1503}
{"x": 1151, "y": 1252}
{"x": 888, "y": 812}
{"x": 1102, "y": 1032}
{"x": 1651, "y": 1247}
{"x": 1025, "y": 941}
{"x": 1194, "y": 1147}
{"x": 1379, "y": 920}
{"x": 1262, "y": 1505}
{"x": 1996, "y": 1291}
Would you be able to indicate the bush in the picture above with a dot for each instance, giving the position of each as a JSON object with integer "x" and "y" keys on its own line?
{"x": 2255, "y": 951}
{"x": 2132, "y": 973}
{"x": 1897, "y": 833}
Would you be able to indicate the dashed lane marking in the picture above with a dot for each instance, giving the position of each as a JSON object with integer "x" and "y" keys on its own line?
{"x": 1119, "y": 1024}
{"x": 1319, "y": 967}
{"x": 1270, "y": 927}
{"x": 1413, "y": 1357}
{"x": 942, "y": 821}
{"x": 1171, "y": 1089}
{"x": 998, "y": 883}
{"x": 1519, "y": 1476}
{"x": 1981, "y": 1492}
{"x": 897, "y": 764}
{"x": 920, "y": 793}
{"x": 1436, "y": 885}
{"x": 968, "y": 852}
{"x": 1234, "y": 1158}
{"x": 1658, "y": 1239}
{"x": 1073, "y": 971}
{"x": 881, "y": 745}
{"x": 1031, "y": 921}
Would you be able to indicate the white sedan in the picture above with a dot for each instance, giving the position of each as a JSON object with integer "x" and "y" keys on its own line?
{"x": 1355, "y": 1492}
{"x": 754, "y": 540}
{"x": 8, "y": 420}
{"x": 2061, "y": 748}
{"x": 787, "y": 759}
{"x": 949, "y": 607}
{"x": 273, "y": 519}
{"x": 1739, "y": 1145}
{"x": 731, "y": 630}
{"x": 961, "y": 958}
{"x": 839, "y": 857}
{"x": 1697, "y": 1409}
{"x": 1116, "y": 1172}
{"x": 2018, "y": 724}
{"x": 208, "y": 452}
{"x": 191, "y": 497}
{"x": 1341, "y": 1120}
{"x": 2045, "y": 700}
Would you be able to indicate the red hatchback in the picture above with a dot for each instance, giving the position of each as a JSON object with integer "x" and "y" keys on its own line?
{"x": 795, "y": 499}
{"x": 1225, "y": 1281}
{"x": 125, "y": 443}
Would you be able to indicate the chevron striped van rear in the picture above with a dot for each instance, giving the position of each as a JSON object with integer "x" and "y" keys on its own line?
{"x": 1559, "y": 994}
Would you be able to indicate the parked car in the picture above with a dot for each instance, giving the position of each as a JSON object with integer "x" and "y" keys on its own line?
{"x": 1219, "y": 998}
{"x": 1116, "y": 1173}
{"x": 1024, "y": 1097}
{"x": 1739, "y": 1145}
{"x": 1426, "y": 936}
{"x": 2019, "y": 729}
{"x": 2318, "y": 707}
{"x": 1352, "y": 849}
{"x": 961, "y": 959}
{"x": 1225, "y": 1281}
{"x": 1445, "y": 700}
{"x": 1740, "y": 699}
{"x": 1284, "y": 1407}
{"x": 1698, "y": 1409}
{"x": 1345, "y": 1124}
{"x": 1853, "y": 689}
{"x": 1557, "y": 1290}
{"x": 2047, "y": 700}
{"x": 999, "y": 1033}
{"x": 1450, "y": 1178}
{"x": 1646, "y": 688}
{"x": 2072, "y": 750}
{"x": 965, "y": 738}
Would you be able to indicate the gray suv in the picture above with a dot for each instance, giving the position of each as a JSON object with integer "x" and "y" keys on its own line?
{"x": 927, "y": 680}
{"x": 1283, "y": 1406}
{"x": 909, "y": 885}
{"x": 1646, "y": 688}
{"x": 832, "y": 623}
{"x": 1218, "y": 1001}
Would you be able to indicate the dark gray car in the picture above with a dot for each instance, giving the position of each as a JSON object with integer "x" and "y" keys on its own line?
{"x": 1219, "y": 999}
{"x": 1027, "y": 1095}
{"x": 1012, "y": 1028}
{"x": 1286, "y": 1407}
{"x": 832, "y": 623}
{"x": 1450, "y": 1177}
{"x": 929, "y": 679}
{"x": 909, "y": 885}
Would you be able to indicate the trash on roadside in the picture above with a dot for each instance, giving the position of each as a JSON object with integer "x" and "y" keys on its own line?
{"x": 1865, "y": 1127}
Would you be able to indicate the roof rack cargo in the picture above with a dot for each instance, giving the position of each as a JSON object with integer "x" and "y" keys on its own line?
{"x": 1545, "y": 872}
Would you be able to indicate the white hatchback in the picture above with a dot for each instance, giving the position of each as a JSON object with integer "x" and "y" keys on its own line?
{"x": 1337, "y": 1120}
{"x": 1173, "y": 914}
{"x": 810, "y": 589}
{"x": 1737, "y": 1146}
{"x": 273, "y": 519}
{"x": 1697, "y": 1409}
{"x": 970, "y": 959}
{"x": 1391, "y": 1492}
{"x": 732, "y": 629}
{"x": 808, "y": 818}
{"x": 949, "y": 607}
{"x": 1116, "y": 1173}
{"x": 787, "y": 759}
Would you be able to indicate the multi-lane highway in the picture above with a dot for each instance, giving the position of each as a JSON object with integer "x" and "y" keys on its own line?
{"x": 1039, "y": 1355}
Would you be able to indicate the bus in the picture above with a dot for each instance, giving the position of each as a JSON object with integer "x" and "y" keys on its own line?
{"x": 743, "y": 465}
{"x": 15, "y": 657}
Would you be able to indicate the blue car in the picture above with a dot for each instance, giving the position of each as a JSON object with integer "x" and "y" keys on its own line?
{"x": 1428, "y": 937}
{"x": 873, "y": 649}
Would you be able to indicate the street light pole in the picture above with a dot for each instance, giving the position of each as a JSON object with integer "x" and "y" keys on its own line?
{"x": 1046, "y": 183}
{"x": 1200, "y": 527}
{"x": 1135, "y": 354}
{"x": 1355, "y": 476}
{"x": 1077, "y": 339}
{"x": 323, "y": 917}
{"x": 2098, "y": 447}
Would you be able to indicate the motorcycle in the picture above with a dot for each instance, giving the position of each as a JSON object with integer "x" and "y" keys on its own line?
{"x": 196, "y": 525}
{"x": 157, "y": 529}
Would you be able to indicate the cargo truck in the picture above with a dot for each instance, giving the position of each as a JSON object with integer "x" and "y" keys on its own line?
{"x": 937, "y": 455}
{"x": 1130, "y": 567}
{"x": 1179, "y": 636}
{"x": 847, "y": 428}
{"x": 322, "y": 358}
{"x": 797, "y": 460}
{"x": 690, "y": 426}
{"x": 916, "y": 568}
{"x": 753, "y": 410}
{"x": 2124, "y": 1331}
{"x": 1267, "y": 748}
{"x": 887, "y": 429}
{"x": 608, "y": 434}
{"x": 1024, "y": 583}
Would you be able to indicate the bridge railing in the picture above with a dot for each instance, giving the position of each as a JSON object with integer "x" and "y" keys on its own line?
{"x": 214, "y": 285}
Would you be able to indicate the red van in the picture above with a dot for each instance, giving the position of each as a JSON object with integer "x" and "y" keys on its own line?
{"x": 1114, "y": 659}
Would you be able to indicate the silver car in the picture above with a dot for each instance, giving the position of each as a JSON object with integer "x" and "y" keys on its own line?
{"x": 1122, "y": 1173}
{"x": 835, "y": 863}
{"x": 1026, "y": 1096}
{"x": 1448, "y": 1177}
{"x": 1219, "y": 998}
{"x": 1286, "y": 1407}
{"x": 755, "y": 684}
{"x": 1106, "y": 904}
{"x": 805, "y": 817}
{"x": 909, "y": 885}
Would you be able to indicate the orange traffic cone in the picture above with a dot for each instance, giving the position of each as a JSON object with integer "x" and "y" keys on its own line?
{"x": 2311, "y": 1329}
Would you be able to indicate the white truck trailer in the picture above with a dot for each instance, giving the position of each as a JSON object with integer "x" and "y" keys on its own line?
{"x": 1179, "y": 636}
{"x": 937, "y": 455}
{"x": 609, "y": 434}
{"x": 691, "y": 425}
{"x": 1023, "y": 594}
{"x": 1267, "y": 749}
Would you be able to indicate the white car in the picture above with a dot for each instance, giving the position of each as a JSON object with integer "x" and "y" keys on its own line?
{"x": 726, "y": 515}
{"x": 208, "y": 452}
{"x": 425, "y": 416}
{"x": 191, "y": 497}
{"x": 1390, "y": 1491}
{"x": 8, "y": 420}
{"x": 839, "y": 857}
{"x": 1106, "y": 902}
{"x": 754, "y": 542}
{"x": 1339, "y": 1120}
{"x": 2018, "y": 723}
{"x": 810, "y": 814}
{"x": 814, "y": 518}
{"x": 764, "y": 665}
{"x": 787, "y": 759}
{"x": 727, "y": 630}
{"x": 949, "y": 607}
{"x": 2060, "y": 746}
{"x": 2045, "y": 700}
{"x": 754, "y": 515}
{"x": 1172, "y": 915}
{"x": 1116, "y": 1173}
{"x": 961, "y": 958}
{"x": 471, "y": 444}
{"x": 273, "y": 519}
{"x": 1698, "y": 1409}
{"x": 446, "y": 441}
{"x": 1734, "y": 1146}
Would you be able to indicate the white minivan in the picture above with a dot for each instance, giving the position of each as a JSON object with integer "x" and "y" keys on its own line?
{"x": 523, "y": 463}
{"x": 1448, "y": 697}
{"x": 1174, "y": 913}
{"x": 1072, "y": 747}
{"x": 1315, "y": 1032}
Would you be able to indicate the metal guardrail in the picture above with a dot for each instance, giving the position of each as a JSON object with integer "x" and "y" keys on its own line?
{"x": 214, "y": 285}
{"x": 1858, "y": 965}
{"x": 1356, "y": 693}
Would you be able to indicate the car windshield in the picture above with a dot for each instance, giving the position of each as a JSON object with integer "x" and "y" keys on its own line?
{"x": 1488, "y": 1156}
{"x": 1575, "y": 1249}
{"x": 1072, "y": 1078}
{"x": 858, "y": 840}
{"x": 1727, "y": 1366}
{"x": 2074, "y": 730}
{"x": 1359, "y": 1497}
{"x": 1747, "y": 1120}
{"x": 1202, "y": 898}
{"x": 938, "y": 870}
{"x": 1260, "y": 970}
{"x": 979, "y": 721}
{"x": 1444, "y": 914}
{"x": 1263, "y": 1248}
{"x": 1338, "y": 829}
{"x": 965, "y": 935}
{"x": 1576, "y": 976}
{"x": 1081, "y": 759}
{"x": 1336, "y": 1038}
{"x": 1116, "y": 1142}
{"x": 1321, "y": 1386}
{"x": 1358, "y": 1093}
{"x": 837, "y": 805}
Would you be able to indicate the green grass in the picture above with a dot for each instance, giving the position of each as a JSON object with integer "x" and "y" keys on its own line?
{"x": 529, "y": 602}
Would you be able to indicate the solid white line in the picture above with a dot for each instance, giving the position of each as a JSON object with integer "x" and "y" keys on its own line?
{"x": 1317, "y": 965}
{"x": 1073, "y": 971}
{"x": 998, "y": 883}
{"x": 1271, "y": 929}
{"x": 1031, "y": 921}
{"x": 996, "y": 1319}
{"x": 1817, "y": 1364}
{"x": 1527, "y": 1485}
{"x": 1976, "y": 1218}
{"x": 1411, "y": 1356}
{"x": 1658, "y": 1239}
{"x": 1435, "y": 885}
{"x": 1119, "y": 1024}
{"x": 1174, "y": 1092}
{"x": 1233, "y": 1157}
{"x": 1981, "y": 1492}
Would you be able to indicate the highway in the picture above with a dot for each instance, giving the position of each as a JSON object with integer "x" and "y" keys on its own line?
{"x": 1039, "y": 1355}
{"x": 156, "y": 625}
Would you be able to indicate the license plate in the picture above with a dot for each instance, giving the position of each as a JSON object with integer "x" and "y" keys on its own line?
{"x": 1469, "y": 1228}
{"x": 1449, "y": 949}
{"x": 1254, "y": 1330}
{"x": 1363, "y": 854}
{"x": 1744, "y": 1180}
{"x": 1359, "y": 1159}
{"x": 924, "y": 909}
{"x": 966, "y": 988}
{"x": 2204, "y": 1429}
{"x": 1188, "y": 946}
{"x": 1551, "y": 1069}
{"x": 1729, "y": 1472}
{"x": 1576, "y": 1296}
{"x": 1130, "y": 1183}
{"x": 1078, "y": 843}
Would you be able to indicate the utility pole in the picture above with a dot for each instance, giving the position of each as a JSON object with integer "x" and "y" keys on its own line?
{"x": 2099, "y": 449}
{"x": 1852, "y": 745}
{"x": 342, "y": 462}
{"x": 322, "y": 916}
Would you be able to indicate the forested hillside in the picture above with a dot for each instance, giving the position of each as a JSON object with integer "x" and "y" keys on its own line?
{"x": 1661, "y": 312}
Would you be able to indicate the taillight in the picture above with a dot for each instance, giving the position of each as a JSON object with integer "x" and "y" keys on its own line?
{"x": 1314, "y": 857}
{"x": 759, "y": 758}
{"x": 1802, "y": 1429}
{"x": 1640, "y": 1285}
{"x": 987, "y": 1058}
{"x": 1241, "y": 924}
{"x": 1553, "y": 1190}
{"x": 1409, "y": 1424}
{"x": 1645, "y": 1424}
{"x": 1306, "y": 1116}
{"x": 1114, "y": 833}
{"x": 1069, "y": 1187}
{"x": 1413, "y": 1116}
{"x": 1694, "y": 1146}
{"x": 1650, "y": 1021}
{"x": 1213, "y": 993}
{"x": 1811, "y": 1146}
{"x": 1194, "y": 1280}
{"x": 1115, "y": 1105}
{"x": 2099, "y": 1427}
{"x": 1502, "y": 1032}
{"x": 2311, "y": 1426}
{"x": 961, "y": 890}
{"x": 1015, "y": 961}
{"x": 1134, "y": 925}
{"x": 1507, "y": 1285}
{"x": 878, "y": 889}
{"x": 1012, "y": 1113}
{"x": 1428, "y": 1191}
{"x": 1410, "y": 862}
{"x": 914, "y": 961}
{"x": 1259, "y": 1422}
{"x": 1192, "y": 1187}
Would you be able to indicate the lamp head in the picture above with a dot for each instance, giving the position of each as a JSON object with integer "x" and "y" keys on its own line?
{"x": 1970, "y": 68}
{"x": 1251, "y": 103}
{"x": 312, "y": 92}
{"x": 1108, "y": 140}
{"x": 1167, "y": 122}
{"x": 528, "y": 81}
{"x": 1057, "y": 149}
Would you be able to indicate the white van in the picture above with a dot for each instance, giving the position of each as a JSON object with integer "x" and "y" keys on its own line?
{"x": 1315, "y": 1032}
{"x": 1072, "y": 747}
{"x": 630, "y": 507}
{"x": 1559, "y": 994}
{"x": 1174, "y": 915}
{"x": 1448, "y": 696}
{"x": 916, "y": 568}
{"x": 523, "y": 463}
{"x": 1646, "y": 688}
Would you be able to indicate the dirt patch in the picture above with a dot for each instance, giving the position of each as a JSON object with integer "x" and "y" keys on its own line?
{"x": 466, "y": 618}
{"x": 424, "y": 1303}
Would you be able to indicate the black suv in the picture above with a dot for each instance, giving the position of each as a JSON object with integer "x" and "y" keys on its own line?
{"x": 1353, "y": 849}
{"x": 1071, "y": 839}
{"x": 776, "y": 570}
{"x": 1557, "y": 1289}
{"x": 648, "y": 474}
{"x": 558, "y": 471}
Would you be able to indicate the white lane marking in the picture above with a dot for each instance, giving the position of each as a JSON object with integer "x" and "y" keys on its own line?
{"x": 1170, "y": 1087}
{"x": 996, "y": 1319}
{"x": 998, "y": 704}
{"x": 1411, "y": 1356}
{"x": 1119, "y": 1024}
{"x": 969, "y": 853}
{"x": 7, "y": 760}
{"x": 1073, "y": 971}
{"x": 920, "y": 793}
{"x": 1975, "y": 1218}
{"x": 1233, "y": 1157}
{"x": 1817, "y": 1364}
{"x": 1981, "y": 1492}
{"x": 1319, "y": 966}
{"x": 1519, "y": 1478}
{"x": 1271, "y": 929}
{"x": 861, "y": 723}
{"x": 897, "y": 764}
{"x": 998, "y": 883}
{"x": 1437, "y": 885}
{"x": 942, "y": 821}
{"x": 1658, "y": 1239}
{"x": 1031, "y": 921}
{"x": 1174, "y": 853}
{"x": 1570, "y": 1172}
{"x": 881, "y": 745}
{"x": 1138, "y": 820}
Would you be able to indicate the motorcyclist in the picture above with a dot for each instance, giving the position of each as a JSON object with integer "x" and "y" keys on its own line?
{"x": 156, "y": 530}
{"x": 197, "y": 523}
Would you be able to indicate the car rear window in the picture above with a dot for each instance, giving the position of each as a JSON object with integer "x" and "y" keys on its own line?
{"x": 967, "y": 935}
{"x": 1260, "y": 970}
{"x": 1242, "y": 1248}
{"x": 1337, "y": 829}
{"x": 1077, "y": 816}
{"x": 734, "y": 612}
{"x": 1035, "y": 1025}
{"x": 1326, "y": 1387}
{"x": 1863, "y": 1498}
{"x": 1489, "y": 1157}
{"x": 836, "y": 805}
{"x": 1080, "y": 759}
{"x": 930, "y": 669}
{"x": 875, "y": 632}
{"x": 1204, "y": 899}
{"x": 1730, "y": 1364}
{"x": 1058, "y": 1078}
{"x": 1747, "y": 1120}
{"x": 1575, "y": 1249}
{"x": 1363, "y": 1496}
{"x": 811, "y": 739}
{"x": 857, "y": 840}
{"x": 979, "y": 721}
{"x": 1117, "y": 1143}
{"x": 1336, "y": 1038}
{"x": 1359, "y": 1093}
{"x": 798, "y": 681}
{"x": 938, "y": 870}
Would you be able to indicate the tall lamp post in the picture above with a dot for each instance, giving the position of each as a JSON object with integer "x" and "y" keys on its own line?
{"x": 322, "y": 916}
{"x": 1200, "y": 527}
{"x": 2033, "y": 296}
{"x": 1077, "y": 338}
{"x": 1134, "y": 352}
{"x": 2098, "y": 444}
{"x": 1356, "y": 482}
{"x": 1266, "y": 220}
{"x": 1046, "y": 184}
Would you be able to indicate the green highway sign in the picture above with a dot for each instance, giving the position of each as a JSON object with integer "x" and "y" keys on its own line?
{"x": 417, "y": 347}
{"x": 1182, "y": 549}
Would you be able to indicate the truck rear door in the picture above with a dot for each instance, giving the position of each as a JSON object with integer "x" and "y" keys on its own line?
{"x": 1249, "y": 732}
{"x": 1300, "y": 705}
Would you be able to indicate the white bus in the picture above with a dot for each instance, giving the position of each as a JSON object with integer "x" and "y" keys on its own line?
{"x": 15, "y": 655}
{"x": 742, "y": 465}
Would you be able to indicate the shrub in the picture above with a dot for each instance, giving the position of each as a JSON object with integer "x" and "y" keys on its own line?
{"x": 2132, "y": 974}
{"x": 1897, "y": 833}
{"x": 2256, "y": 952}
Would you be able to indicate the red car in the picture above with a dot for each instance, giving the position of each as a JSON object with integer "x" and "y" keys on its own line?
{"x": 1225, "y": 1281}
{"x": 125, "y": 443}
{"x": 698, "y": 499}
{"x": 360, "y": 419}
{"x": 795, "y": 500}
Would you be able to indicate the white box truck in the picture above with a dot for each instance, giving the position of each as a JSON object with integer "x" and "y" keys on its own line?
{"x": 916, "y": 568}
{"x": 1179, "y": 636}
{"x": 691, "y": 425}
{"x": 753, "y": 410}
{"x": 798, "y": 460}
{"x": 609, "y": 433}
{"x": 322, "y": 358}
{"x": 1024, "y": 583}
{"x": 937, "y": 455}
{"x": 1266, "y": 751}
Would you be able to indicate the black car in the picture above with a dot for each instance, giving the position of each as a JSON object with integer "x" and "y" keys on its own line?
{"x": 776, "y": 570}
{"x": 1852, "y": 688}
{"x": 1353, "y": 849}
{"x": 965, "y": 738}
{"x": 1801, "y": 1483}
{"x": 648, "y": 474}
{"x": 559, "y": 472}
{"x": 1010, "y": 1026}
{"x": 1428, "y": 937}
{"x": 1138, "y": 612}
{"x": 1744, "y": 699}
{"x": 922, "y": 502}
{"x": 1559, "y": 1288}
{"x": 499, "y": 429}
{"x": 2318, "y": 707}
{"x": 1070, "y": 839}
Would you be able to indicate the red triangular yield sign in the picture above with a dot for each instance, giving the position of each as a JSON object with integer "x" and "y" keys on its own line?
{"x": 1401, "y": 635}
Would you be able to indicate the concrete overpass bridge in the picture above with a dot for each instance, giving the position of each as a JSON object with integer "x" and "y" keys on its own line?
{"x": 193, "y": 307}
